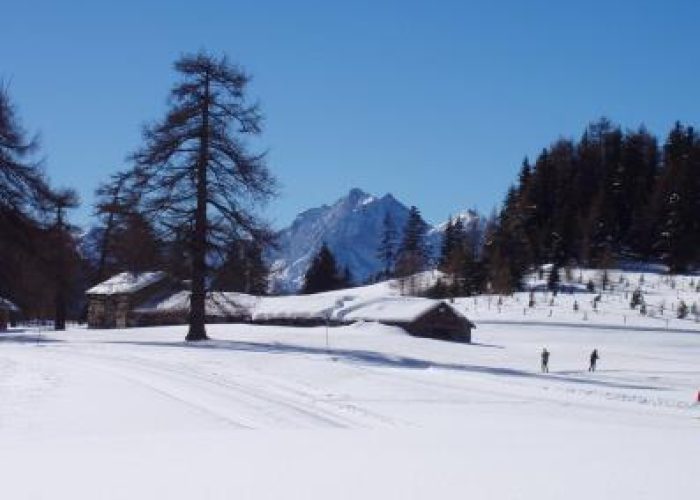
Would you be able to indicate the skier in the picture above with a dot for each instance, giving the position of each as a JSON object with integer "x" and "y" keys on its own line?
{"x": 594, "y": 360}
{"x": 545, "y": 360}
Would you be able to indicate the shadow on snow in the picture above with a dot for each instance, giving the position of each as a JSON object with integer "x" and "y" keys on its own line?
{"x": 374, "y": 358}
{"x": 19, "y": 336}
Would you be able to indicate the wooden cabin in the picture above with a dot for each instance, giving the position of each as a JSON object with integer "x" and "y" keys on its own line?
{"x": 111, "y": 304}
{"x": 418, "y": 316}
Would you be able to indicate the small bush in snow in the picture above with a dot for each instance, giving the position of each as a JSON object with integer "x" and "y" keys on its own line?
{"x": 637, "y": 299}
{"x": 682, "y": 311}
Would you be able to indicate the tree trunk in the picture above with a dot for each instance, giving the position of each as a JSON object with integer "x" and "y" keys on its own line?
{"x": 59, "y": 321}
{"x": 197, "y": 329}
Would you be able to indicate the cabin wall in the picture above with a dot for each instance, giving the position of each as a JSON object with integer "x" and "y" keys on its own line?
{"x": 97, "y": 311}
{"x": 116, "y": 311}
{"x": 158, "y": 318}
{"x": 445, "y": 325}
{"x": 180, "y": 317}
{"x": 300, "y": 322}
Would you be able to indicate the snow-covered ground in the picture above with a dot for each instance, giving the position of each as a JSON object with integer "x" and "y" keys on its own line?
{"x": 271, "y": 412}
{"x": 662, "y": 294}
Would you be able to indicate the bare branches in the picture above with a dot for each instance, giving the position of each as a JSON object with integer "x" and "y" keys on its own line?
{"x": 164, "y": 172}
{"x": 23, "y": 186}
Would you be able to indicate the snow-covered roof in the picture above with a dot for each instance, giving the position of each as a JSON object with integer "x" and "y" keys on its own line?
{"x": 393, "y": 309}
{"x": 378, "y": 302}
{"x": 219, "y": 304}
{"x": 316, "y": 306}
{"x": 7, "y": 305}
{"x": 126, "y": 282}
{"x": 345, "y": 307}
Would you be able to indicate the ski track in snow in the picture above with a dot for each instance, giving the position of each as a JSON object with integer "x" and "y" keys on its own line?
{"x": 259, "y": 404}
{"x": 257, "y": 399}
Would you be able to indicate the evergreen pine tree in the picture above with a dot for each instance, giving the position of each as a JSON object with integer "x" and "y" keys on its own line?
{"x": 243, "y": 270}
{"x": 386, "y": 252}
{"x": 413, "y": 254}
{"x": 323, "y": 273}
{"x": 553, "y": 279}
{"x": 678, "y": 198}
{"x": 346, "y": 279}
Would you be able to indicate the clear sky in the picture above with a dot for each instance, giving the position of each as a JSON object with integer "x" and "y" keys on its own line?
{"x": 434, "y": 101}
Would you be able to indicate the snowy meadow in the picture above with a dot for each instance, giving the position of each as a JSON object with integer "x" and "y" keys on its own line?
{"x": 270, "y": 412}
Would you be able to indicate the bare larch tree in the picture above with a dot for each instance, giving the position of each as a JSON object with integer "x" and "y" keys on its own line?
{"x": 23, "y": 187}
{"x": 195, "y": 173}
{"x": 61, "y": 252}
{"x": 24, "y": 192}
{"x": 111, "y": 204}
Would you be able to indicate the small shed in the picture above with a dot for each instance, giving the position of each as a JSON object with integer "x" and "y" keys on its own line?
{"x": 7, "y": 308}
{"x": 111, "y": 303}
{"x": 418, "y": 316}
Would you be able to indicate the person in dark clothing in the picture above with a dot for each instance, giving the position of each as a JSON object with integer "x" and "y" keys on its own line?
{"x": 594, "y": 360}
{"x": 545, "y": 360}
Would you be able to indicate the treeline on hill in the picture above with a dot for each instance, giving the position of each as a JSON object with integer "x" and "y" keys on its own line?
{"x": 611, "y": 196}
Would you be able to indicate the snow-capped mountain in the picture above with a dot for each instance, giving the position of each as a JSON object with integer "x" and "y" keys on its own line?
{"x": 89, "y": 243}
{"x": 352, "y": 228}
{"x": 468, "y": 218}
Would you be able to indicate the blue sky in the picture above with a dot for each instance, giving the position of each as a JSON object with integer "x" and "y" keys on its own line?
{"x": 436, "y": 102}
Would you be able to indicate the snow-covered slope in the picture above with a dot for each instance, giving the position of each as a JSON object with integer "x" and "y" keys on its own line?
{"x": 351, "y": 227}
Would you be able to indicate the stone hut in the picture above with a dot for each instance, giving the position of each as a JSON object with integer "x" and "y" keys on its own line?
{"x": 174, "y": 309}
{"x": 111, "y": 303}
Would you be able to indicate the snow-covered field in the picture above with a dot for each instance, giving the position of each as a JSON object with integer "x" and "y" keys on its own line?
{"x": 270, "y": 412}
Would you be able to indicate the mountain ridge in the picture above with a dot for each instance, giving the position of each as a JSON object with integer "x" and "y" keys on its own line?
{"x": 351, "y": 227}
